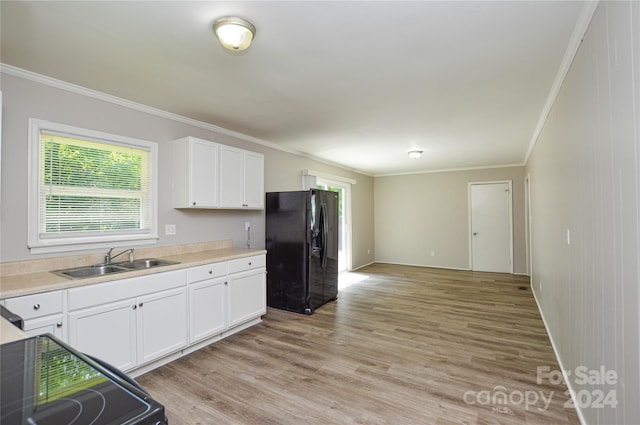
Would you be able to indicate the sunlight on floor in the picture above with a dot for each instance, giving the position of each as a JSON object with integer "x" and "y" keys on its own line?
{"x": 346, "y": 279}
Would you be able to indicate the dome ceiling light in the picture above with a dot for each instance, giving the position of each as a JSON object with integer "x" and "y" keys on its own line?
{"x": 415, "y": 154}
{"x": 235, "y": 34}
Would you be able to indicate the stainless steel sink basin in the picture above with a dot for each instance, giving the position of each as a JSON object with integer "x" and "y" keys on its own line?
{"x": 90, "y": 271}
{"x": 146, "y": 263}
{"x": 105, "y": 269}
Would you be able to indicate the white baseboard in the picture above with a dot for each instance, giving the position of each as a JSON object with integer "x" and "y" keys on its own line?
{"x": 572, "y": 391}
{"x": 424, "y": 265}
{"x": 358, "y": 268}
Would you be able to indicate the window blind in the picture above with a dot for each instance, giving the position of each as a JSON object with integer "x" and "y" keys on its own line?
{"x": 92, "y": 187}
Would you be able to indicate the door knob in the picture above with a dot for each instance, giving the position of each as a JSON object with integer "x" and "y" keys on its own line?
{"x": 475, "y": 233}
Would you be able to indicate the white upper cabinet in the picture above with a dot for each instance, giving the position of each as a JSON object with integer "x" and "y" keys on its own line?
{"x": 241, "y": 179}
{"x": 195, "y": 173}
{"x": 253, "y": 180}
{"x": 210, "y": 175}
{"x": 231, "y": 180}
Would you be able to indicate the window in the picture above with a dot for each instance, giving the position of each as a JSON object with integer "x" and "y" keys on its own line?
{"x": 89, "y": 189}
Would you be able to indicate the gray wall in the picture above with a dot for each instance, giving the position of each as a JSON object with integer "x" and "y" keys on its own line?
{"x": 584, "y": 178}
{"x": 419, "y": 213}
{"x": 24, "y": 98}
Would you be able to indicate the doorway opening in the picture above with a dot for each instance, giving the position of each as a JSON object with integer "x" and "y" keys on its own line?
{"x": 344, "y": 202}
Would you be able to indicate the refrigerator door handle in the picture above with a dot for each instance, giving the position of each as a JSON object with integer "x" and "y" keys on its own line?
{"x": 325, "y": 234}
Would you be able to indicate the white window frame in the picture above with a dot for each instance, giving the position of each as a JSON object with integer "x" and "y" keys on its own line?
{"x": 41, "y": 245}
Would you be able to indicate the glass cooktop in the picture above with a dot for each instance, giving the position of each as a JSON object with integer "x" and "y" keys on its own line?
{"x": 45, "y": 382}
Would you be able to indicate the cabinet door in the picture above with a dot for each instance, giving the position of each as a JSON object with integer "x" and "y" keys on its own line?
{"x": 247, "y": 296}
{"x": 204, "y": 174}
{"x": 50, "y": 324}
{"x": 231, "y": 177}
{"x": 253, "y": 180}
{"x": 208, "y": 314}
{"x": 162, "y": 324}
{"x": 107, "y": 332}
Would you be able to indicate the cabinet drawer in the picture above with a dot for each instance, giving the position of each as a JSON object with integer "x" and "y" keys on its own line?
{"x": 36, "y": 305}
{"x": 247, "y": 263}
{"x": 208, "y": 271}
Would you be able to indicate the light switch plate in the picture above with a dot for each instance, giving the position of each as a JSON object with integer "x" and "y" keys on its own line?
{"x": 169, "y": 229}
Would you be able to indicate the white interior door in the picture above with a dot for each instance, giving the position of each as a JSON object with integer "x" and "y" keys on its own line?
{"x": 491, "y": 227}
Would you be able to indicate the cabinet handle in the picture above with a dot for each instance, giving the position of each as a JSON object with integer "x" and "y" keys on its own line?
{"x": 134, "y": 306}
{"x": 194, "y": 203}
{"x": 210, "y": 271}
{"x": 249, "y": 262}
{"x": 59, "y": 324}
{"x": 140, "y": 305}
{"x": 36, "y": 306}
{"x": 226, "y": 283}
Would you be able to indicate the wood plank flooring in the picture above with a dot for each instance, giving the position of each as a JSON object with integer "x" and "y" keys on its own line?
{"x": 404, "y": 345}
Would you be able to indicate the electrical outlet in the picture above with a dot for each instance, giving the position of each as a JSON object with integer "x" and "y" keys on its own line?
{"x": 540, "y": 286}
{"x": 247, "y": 225}
{"x": 169, "y": 229}
{"x": 568, "y": 237}
{"x": 368, "y": 252}
{"x": 433, "y": 253}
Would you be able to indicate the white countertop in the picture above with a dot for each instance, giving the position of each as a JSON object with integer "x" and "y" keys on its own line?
{"x": 8, "y": 332}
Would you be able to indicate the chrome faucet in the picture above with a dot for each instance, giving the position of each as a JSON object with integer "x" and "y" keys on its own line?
{"x": 109, "y": 257}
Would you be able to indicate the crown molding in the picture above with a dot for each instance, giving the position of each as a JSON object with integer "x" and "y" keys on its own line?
{"x": 572, "y": 49}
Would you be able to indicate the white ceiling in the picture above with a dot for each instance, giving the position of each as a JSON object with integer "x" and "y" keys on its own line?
{"x": 355, "y": 83}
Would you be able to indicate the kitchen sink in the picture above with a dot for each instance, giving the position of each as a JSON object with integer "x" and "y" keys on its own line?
{"x": 146, "y": 263}
{"x": 106, "y": 269}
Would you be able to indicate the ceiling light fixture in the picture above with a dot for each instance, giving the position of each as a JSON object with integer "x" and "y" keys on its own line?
{"x": 415, "y": 154}
{"x": 235, "y": 34}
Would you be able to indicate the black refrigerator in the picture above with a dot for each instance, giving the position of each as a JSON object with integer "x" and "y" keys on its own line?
{"x": 302, "y": 249}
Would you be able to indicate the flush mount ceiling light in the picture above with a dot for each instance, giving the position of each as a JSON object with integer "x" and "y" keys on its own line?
{"x": 415, "y": 154}
{"x": 235, "y": 34}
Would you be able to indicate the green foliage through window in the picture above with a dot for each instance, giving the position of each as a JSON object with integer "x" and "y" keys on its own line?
{"x": 89, "y": 186}
{"x": 66, "y": 164}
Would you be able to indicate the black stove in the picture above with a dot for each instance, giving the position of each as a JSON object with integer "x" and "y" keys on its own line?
{"x": 46, "y": 382}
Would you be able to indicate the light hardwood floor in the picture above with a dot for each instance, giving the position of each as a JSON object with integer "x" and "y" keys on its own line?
{"x": 405, "y": 345}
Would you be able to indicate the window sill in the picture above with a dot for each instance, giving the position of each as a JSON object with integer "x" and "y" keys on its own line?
{"x": 58, "y": 248}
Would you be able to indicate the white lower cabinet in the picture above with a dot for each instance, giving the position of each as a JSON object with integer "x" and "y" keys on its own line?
{"x": 162, "y": 324}
{"x": 41, "y": 313}
{"x": 130, "y": 322}
{"x": 132, "y": 332}
{"x": 225, "y": 295}
{"x": 107, "y": 332}
{"x": 208, "y": 312}
{"x": 247, "y": 289}
{"x": 45, "y": 325}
